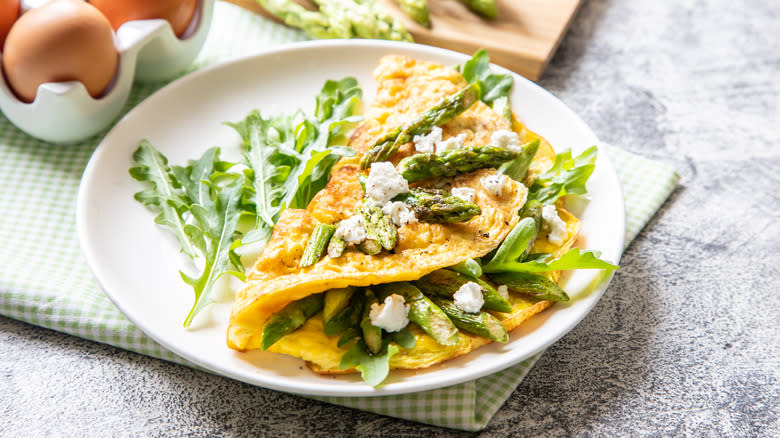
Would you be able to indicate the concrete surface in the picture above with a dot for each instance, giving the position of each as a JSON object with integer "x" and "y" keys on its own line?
{"x": 686, "y": 341}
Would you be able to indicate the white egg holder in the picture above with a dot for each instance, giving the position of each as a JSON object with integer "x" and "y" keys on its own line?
{"x": 65, "y": 113}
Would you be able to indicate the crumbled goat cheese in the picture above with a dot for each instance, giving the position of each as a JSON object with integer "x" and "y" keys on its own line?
{"x": 503, "y": 290}
{"x": 469, "y": 298}
{"x": 384, "y": 182}
{"x": 400, "y": 213}
{"x": 494, "y": 184}
{"x": 464, "y": 193}
{"x": 392, "y": 315}
{"x": 506, "y": 139}
{"x": 558, "y": 231}
{"x": 352, "y": 230}
{"x": 426, "y": 144}
{"x": 450, "y": 143}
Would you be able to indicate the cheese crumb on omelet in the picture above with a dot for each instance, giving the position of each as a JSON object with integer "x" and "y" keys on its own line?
{"x": 392, "y": 315}
{"x": 385, "y": 183}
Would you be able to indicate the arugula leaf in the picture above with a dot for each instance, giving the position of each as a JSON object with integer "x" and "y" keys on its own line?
{"x": 517, "y": 168}
{"x": 201, "y": 204}
{"x": 567, "y": 176}
{"x": 403, "y": 337}
{"x": 373, "y": 369}
{"x": 214, "y": 230}
{"x": 514, "y": 245}
{"x": 163, "y": 194}
{"x": 290, "y": 156}
{"x": 572, "y": 259}
{"x": 494, "y": 86}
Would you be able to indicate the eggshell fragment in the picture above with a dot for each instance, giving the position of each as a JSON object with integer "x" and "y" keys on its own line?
{"x": 64, "y": 40}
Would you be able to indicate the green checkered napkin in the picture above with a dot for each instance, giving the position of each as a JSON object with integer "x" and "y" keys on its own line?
{"x": 45, "y": 281}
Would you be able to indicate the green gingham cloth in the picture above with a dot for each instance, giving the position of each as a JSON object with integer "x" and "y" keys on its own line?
{"x": 45, "y": 281}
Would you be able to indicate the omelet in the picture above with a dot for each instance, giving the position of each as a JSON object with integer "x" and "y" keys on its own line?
{"x": 406, "y": 88}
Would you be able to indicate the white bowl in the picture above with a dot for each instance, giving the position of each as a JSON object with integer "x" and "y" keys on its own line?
{"x": 64, "y": 112}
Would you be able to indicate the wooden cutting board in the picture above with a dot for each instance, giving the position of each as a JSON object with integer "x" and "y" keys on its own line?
{"x": 523, "y": 38}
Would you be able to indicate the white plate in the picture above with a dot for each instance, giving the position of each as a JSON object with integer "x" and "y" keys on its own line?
{"x": 137, "y": 263}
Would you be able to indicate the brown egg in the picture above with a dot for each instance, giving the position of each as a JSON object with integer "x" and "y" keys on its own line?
{"x": 177, "y": 12}
{"x": 65, "y": 40}
{"x": 9, "y": 12}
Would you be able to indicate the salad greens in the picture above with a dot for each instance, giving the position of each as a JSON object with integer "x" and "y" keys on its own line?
{"x": 493, "y": 85}
{"x": 374, "y": 368}
{"x": 287, "y": 160}
{"x": 567, "y": 176}
{"x": 288, "y": 157}
{"x": 574, "y": 258}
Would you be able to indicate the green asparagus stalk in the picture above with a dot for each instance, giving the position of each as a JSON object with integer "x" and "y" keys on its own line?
{"x": 517, "y": 168}
{"x": 369, "y": 247}
{"x": 379, "y": 227}
{"x": 348, "y": 318}
{"x": 481, "y": 324}
{"x": 336, "y": 247}
{"x": 372, "y": 335}
{"x": 289, "y": 319}
{"x": 441, "y": 113}
{"x": 318, "y": 241}
{"x": 445, "y": 283}
{"x": 486, "y": 8}
{"x": 336, "y": 300}
{"x": 531, "y": 284}
{"x": 339, "y": 19}
{"x": 423, "y": 312}
{"x": 417, "y": 10}
{"x": 453, "y": 162}
{"x": 436, "y": 206}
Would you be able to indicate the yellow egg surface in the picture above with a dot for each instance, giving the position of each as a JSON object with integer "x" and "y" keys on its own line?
{"x": 405, "y": 88}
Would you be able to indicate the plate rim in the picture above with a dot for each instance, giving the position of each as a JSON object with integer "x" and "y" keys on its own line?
{"x": 363, "y": 390}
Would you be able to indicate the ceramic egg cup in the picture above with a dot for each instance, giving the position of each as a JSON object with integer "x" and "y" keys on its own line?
{"x": 64, "y": 112}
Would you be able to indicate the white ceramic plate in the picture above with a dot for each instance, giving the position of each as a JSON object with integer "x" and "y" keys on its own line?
{"x": 137, "y": 263}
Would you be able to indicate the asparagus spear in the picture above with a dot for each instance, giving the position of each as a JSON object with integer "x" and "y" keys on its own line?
{"x": 423, "y": 312}
{"x": 372, "y": 335}
{"x": 290, "y": 319}
{"x": 444, "y": 111}
{"x": 335, "y": 301}
{"x": 481, "y": 324}
{"x": 486, "y": 8}
{"x": 370, "y": 247}
{"x": 445, "y": 283}
{"x": 336, "y": 247}
{"x": 531, "y": 284}
{"x": 348, "y": 318}
{"x": 417, "y": 10}
{"x": 379, "y": 227}
{"x": 453, "y": 162}
{"x": 318, "y": 241}
{"x": 339, "y": 19}
{"x": 436, "y": 206}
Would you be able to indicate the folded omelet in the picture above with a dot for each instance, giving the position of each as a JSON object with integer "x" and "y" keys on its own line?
{"x": 406, "y": 88}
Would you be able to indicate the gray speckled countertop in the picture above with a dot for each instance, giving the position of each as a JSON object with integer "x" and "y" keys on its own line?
{"x": 686, "y": 341}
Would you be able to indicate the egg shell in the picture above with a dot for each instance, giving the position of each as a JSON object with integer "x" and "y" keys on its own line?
{"x": 9, "y": 12}
{"x": 179, "y": 13}
{"x": 65, "y": 40}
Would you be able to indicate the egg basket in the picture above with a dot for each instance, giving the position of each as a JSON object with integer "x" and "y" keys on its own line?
{"x": 64, "y": 112}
